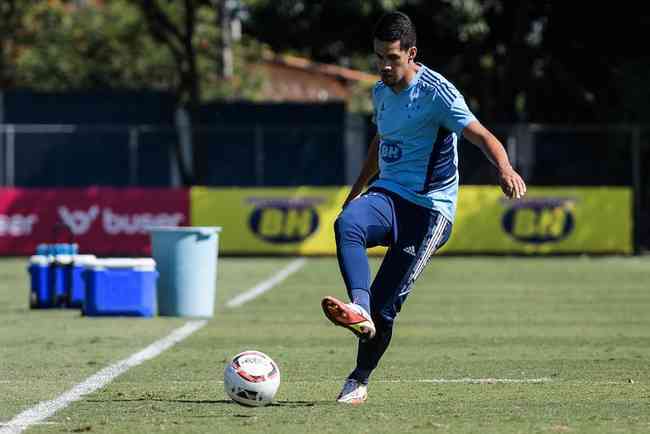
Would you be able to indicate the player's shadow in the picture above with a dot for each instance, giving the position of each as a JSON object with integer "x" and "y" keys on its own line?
{"x": 185, "y": 401}
{"x": 294, "y": 403}
{"x": 197, "y": 401}
{"x": 211, "y": 401}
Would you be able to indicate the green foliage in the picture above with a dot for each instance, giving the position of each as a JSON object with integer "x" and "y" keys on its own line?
{"x": 468, "y": 15}
{"x": 516, "y": 61}
{"x": 11, "y": 12}
{"x": 66, "y": 45}
{"x": 246, "y": 82}
{"x": 360, "y": 100}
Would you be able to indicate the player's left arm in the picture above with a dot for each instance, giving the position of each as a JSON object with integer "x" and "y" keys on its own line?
{"x": 512, "y": 184}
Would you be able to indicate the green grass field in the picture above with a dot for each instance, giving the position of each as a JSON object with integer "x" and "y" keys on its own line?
{"x": 580, "y": 326}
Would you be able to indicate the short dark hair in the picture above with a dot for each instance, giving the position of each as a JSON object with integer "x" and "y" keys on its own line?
{"x": 396, "y": 26}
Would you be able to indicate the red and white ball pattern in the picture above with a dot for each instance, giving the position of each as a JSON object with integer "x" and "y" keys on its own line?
{"x": 252, "y": 378}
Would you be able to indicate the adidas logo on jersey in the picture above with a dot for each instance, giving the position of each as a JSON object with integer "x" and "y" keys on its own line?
{"x": 410, "y": 250}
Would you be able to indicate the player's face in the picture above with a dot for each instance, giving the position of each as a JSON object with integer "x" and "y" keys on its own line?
{"x": 392, "y": 61}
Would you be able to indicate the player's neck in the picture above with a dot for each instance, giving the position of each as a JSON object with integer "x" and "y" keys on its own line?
{"x": 406, "y": 80}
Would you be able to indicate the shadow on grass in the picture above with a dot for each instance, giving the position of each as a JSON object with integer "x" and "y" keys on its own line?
{"x": 185, "y": 401}
{"x": 207, "y": 401}
{"x": 296, "y": 403}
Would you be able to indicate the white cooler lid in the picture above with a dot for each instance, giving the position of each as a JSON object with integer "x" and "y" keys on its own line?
{"x": 63, "y": 259}
{"x": 138, "y": 264}
{"x": 84, "y": 260}
{"x": 203, "y": 230}
{"x": 39, "y": 260}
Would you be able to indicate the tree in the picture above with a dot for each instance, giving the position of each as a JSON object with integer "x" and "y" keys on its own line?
{"x": 7, "y": 26}
{"x": 11, "y": 14}
{"x": 175, "y": 28}
{"x": 62, "y": 45}
{"x": 551, "y": 61}
{"x": 191, "y": 34}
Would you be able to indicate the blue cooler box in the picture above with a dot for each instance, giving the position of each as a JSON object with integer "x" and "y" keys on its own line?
{"x": 48, "y": 280}
{"x": 59, "y": 278}
{"x": 42, "y": 294}
{"x": 51, "y": 273}
{"x": 75, "y": 284}
{"x": 120, "y": 287}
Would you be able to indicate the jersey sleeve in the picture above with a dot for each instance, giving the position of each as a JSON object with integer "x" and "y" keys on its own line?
{"x": 374, "y": 104}
{"x": 453, "y": 110}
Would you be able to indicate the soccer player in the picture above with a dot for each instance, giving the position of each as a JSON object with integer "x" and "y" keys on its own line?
{"x": 410, "y": 207}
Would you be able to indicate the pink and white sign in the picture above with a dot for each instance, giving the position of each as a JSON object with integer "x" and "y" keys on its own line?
{"x": 103, "y": 221}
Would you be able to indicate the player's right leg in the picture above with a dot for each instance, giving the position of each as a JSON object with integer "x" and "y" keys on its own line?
{"x": 421, "y": 233}
{"x": 365, "y": 222}
{"x": 349, "y": 315}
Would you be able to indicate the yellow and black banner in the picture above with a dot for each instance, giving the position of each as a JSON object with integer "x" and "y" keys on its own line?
{"x": 546, "y": 220}
{"x": 296, "y": 221}
{"x": 299, "y": 221}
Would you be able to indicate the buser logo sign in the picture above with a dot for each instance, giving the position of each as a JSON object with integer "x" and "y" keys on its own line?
{"x": 284, "y": 220}
{"x": 80, "y": 221}
{"x": 540, "y": 220}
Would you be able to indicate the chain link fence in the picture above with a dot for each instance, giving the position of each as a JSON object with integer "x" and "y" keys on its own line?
{"x": 302, "y": 154}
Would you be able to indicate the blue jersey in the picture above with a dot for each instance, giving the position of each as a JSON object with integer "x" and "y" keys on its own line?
{"x": 408, "y": 124}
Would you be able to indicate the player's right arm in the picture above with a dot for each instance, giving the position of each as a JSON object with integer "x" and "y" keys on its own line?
{"x": 512, "y": 184}
{"x": 457, "y": 117}
{"x": 370, "y": 169}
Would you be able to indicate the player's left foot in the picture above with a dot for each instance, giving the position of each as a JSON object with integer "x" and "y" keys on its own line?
{"x": 353, "y": 392}
{"x": 349, "y": 315}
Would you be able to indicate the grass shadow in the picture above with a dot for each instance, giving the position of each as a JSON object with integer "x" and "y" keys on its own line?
{"x": 183, "y": 401}
{"x": 294, "y": 403}
{"x": 211, "y": 401}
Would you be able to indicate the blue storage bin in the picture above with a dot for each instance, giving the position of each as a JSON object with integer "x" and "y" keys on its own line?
{"x": 120, "y": 287}
{"x": 41, "y": 292}
{"x": 75, "y": 285}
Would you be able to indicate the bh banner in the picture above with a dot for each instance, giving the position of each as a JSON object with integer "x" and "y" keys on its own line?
{"x": 546, "y": 220}
{"x": 101, "y": 220}
{"x": 300, "y": 220}
{"x": 270, "y": 220}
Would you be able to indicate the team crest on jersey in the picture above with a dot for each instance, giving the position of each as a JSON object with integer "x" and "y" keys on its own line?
{"x": 390, "y": 152}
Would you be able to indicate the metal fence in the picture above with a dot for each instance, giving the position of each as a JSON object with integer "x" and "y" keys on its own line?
{"x": 290, "y": 155}
{"x": 78, "y": 155}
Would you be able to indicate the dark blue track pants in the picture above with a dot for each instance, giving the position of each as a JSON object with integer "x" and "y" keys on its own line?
{"x": 411, "y": 233}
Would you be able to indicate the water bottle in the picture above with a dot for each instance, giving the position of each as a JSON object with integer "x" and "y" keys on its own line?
{"x": 43, "y": 249}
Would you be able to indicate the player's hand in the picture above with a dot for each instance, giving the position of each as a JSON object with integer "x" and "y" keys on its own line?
{"x": 512, "y": 184}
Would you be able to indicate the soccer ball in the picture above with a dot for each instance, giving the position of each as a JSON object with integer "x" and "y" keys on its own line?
{"x": 251, "y": 378}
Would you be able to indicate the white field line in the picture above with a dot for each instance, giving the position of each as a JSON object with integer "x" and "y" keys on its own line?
{"x": 45, "y": 409}
{"x": 2, "y": 425}
{"x": 542, "y": 380}
{"x": 41, "y": 411}
{"x": 443, "y": 381}
{"x": 264, "y": 286}
{"x": 474, "y": 380}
